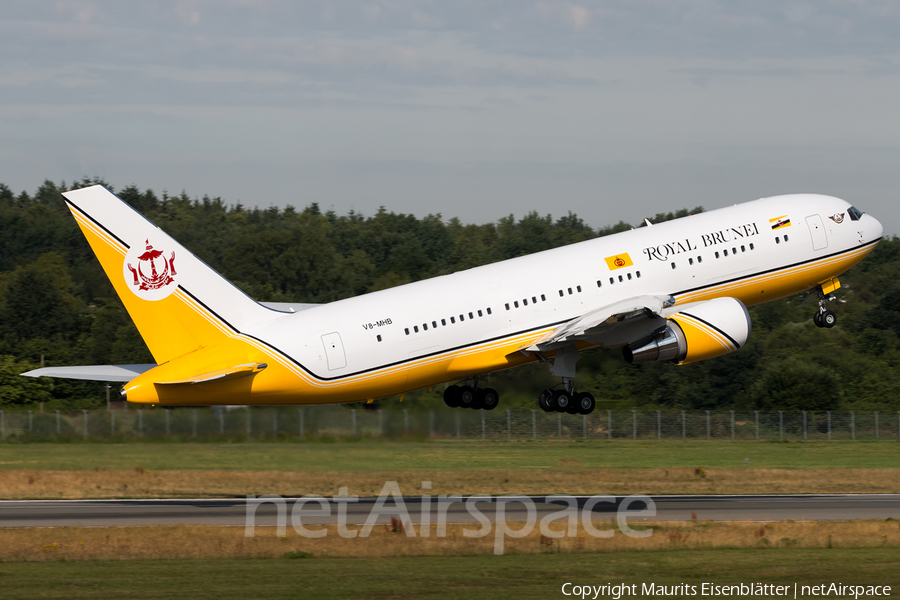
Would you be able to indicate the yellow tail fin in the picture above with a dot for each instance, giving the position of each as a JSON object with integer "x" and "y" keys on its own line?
{"x": 177, "y": 302}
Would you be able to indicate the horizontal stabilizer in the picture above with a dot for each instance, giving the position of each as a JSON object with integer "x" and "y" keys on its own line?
{"x": 220, "y": 375}
{"x": 121, "y": 373}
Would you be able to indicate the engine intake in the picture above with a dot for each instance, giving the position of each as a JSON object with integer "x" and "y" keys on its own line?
{"x": 696, "y": 331}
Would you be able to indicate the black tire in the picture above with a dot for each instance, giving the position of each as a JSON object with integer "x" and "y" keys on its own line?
{"x": 467, "y": 397}
{"x": 451, "y": 396}
{"x": 585, "y": 402}
{"x": 490, "y": 399}
{"x": 478, "y": 403}
{"x": 544, "y": 400}
{"x": 828, "y": 319}
{"x": 817, "y": 319}
{"x": 560, "y": 400}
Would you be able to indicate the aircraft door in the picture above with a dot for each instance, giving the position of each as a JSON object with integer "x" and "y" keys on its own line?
{"x": 817, "y": 231}
{"x": 334, "y": 351}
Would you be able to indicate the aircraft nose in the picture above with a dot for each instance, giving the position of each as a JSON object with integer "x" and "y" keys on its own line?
{"x": 874, "y": 228}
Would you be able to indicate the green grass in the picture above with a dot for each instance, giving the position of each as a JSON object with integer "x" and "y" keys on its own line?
{"x": 522, "y": 576}
{"x": 381, "y": 456}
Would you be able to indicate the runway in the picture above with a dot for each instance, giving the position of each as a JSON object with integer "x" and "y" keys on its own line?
{"x": 233, "y": 511}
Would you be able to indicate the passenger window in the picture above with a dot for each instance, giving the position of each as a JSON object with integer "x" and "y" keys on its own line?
{"x": 524, "y": 301}
{"x": 560, "y": 293}
{"x": 479, "y": 314}
{"x": 699, "y": 259}
{"x": 378, "y": 337}
{"x": 598, "y": 283}
{"x": 570, "y": 291}
{"x": 690, "y": 261}
{"x": 424, "y": 326}
{"x": 507, "y": 306}
{"x": 579, "y": 289}
{"x": 638, "y": 274}
{"x": 611, "y": 280}
{"x": 534, "y": 299}
{"x": 743, "y": 249}
{"x": 673, "y": 265}
{"x": 516, "y": 304}
{"x": 489, "y": 310}
{"x": 724, "y": 252}
{"x": 470, "y": 316}
{"x": 543, "y": 298}
{"x": 629, "y": 277}
{"x": 777, "y": 240}
{"x": 453, "y": 319}
{"x": 406, "y": 330}
{"x": 785, "y": 237}
{"x": 734, "y": 250}
{"x": 416, "y": 328}
{"x": 434, "y": 324}
{"x": 717, "y": 255}
{"x": 444, "y": 322}
{"x": 751, "y": 246}
{"x": 462, "y": 318}
{"x": 620, "y": 279}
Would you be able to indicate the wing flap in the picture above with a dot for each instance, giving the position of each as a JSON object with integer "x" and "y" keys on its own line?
{"x": 600, "y": 321}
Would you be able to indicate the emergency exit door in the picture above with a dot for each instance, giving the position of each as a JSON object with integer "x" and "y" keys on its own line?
{"x": 334, "y": 351}
{"x": 817, "y": 231}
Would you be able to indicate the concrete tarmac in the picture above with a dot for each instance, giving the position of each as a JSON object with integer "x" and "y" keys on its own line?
{"x": 233, "y": 511}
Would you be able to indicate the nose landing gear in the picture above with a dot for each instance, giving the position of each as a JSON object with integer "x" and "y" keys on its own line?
{"x": 824, "y": 317}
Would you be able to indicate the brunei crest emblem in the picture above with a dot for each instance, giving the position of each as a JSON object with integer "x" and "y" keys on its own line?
{"x": 149, "y": 272}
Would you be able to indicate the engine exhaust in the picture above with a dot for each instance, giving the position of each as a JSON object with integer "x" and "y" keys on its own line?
{"x": 668, "y": 343}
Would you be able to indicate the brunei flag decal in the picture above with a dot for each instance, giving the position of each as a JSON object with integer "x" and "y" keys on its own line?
{"x": 618, "y": 261}
{"x": 780, "y": 222}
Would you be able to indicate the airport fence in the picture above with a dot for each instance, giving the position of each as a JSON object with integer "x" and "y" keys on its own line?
{"x": 339, "y": 422}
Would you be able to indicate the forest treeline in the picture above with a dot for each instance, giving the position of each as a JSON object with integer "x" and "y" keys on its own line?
{"x": 56, "y": 302}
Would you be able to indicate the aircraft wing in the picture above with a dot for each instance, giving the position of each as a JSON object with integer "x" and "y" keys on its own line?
{"x": 290, "y": 307}
{"x": 612, "y": 325}
{"x": 121, "y": 373}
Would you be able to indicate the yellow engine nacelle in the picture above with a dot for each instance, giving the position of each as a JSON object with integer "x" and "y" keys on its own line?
{"x": 696, "y": 331}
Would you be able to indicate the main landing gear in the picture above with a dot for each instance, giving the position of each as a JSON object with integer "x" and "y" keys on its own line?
{"x": 471, "y": 396}
{"x": 566, "y": 400}
{"x": 824, "y": 317}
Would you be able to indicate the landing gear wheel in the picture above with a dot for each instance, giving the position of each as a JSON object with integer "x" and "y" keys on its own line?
{"x": 489, "y": 399}
{"x": 828, "y": 319}
{"x": 544, "y": 400}
{"x": 817, "y": 319}
{"x": 467, "y": 397}
{"x": 478, "y": 403}
{"x": 451, "y": 396}
{"x": 560, "y": 400}
{"x": 585, "y": 403}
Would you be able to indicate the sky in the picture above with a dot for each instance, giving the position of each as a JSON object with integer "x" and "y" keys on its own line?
{"x": 473, "y": 109}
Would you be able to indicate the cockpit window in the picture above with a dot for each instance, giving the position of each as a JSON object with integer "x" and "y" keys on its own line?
{"x": 855, "y": 213}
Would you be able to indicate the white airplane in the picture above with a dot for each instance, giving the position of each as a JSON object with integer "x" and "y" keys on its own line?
{"x": 674, "y": 291}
